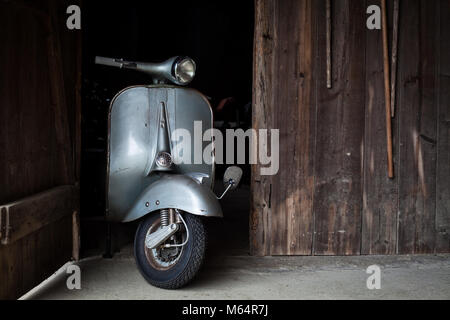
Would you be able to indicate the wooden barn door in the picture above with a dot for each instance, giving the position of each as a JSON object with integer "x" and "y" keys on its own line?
{"x": 282, "y": 220}
{"x": 313, "y": 205}
{"x": 39, "y": 143}
{"x": 332, "y": 195}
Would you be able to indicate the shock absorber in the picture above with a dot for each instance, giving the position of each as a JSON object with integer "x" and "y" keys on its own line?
{"x": 165, "y": 217}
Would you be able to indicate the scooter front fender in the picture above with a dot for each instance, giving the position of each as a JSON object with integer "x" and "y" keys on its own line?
{"x": 177, "y": 192}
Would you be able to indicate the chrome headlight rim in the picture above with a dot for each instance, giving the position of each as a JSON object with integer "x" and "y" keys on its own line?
{"x": 164, "y": 159}
{"x": 182, "y": 77}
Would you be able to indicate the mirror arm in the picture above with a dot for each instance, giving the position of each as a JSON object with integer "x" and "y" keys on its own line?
{"x": 230, "y": 184}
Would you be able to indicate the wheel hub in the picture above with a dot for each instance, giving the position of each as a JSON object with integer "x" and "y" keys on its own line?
{"x": 163, "y": 257}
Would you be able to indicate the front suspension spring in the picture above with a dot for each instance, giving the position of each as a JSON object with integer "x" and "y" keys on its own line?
{"x": 165, "y": 217}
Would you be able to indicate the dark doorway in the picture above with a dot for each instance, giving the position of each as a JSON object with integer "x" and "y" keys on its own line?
{"x": 217, "y": 35}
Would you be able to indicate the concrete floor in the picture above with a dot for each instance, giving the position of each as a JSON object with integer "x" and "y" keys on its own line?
{"x": 230, "y": 273}
{"x": 245, "y": 277}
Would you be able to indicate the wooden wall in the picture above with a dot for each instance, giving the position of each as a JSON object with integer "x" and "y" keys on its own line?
{"x": 40, "y": 65}
{"x": 332, "y": 195}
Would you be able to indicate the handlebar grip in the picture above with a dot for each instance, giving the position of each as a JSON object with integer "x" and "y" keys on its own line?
{"x": 108, "y": 62}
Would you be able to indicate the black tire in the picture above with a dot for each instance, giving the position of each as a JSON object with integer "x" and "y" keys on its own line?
{"x": 190, "y": 259}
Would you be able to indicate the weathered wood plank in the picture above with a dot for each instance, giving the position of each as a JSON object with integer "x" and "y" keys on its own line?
{"x": 282, "y": 205}
{"x": 28, "y": 215}
{"x": 429, "y": 79}
{"x": 28, "y": 159}
{"x": 304, "y": 129}
{"x": 280, "y": 107}
{"x": 11, "y": 273}
{"x": 379, "y": 221}
{"x": 58, "y": 98}
{"x": 30, "y": 155}
{"x": 340, "y": 133}
{"x": 408, "y": 111}
{"x": 417, "y": 134}
{"x": 25, "y": 263}
{"x": 292, "y": 187}
{"x": 443, "y": 137}
{"x": 264, "y": 42}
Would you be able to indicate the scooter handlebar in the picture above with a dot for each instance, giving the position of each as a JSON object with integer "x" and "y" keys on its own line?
{"x": 159, "y": 71}
{"x": 119, "y": 63}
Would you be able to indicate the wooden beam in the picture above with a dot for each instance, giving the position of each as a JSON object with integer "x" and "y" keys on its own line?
{"x": 23, "y": 217}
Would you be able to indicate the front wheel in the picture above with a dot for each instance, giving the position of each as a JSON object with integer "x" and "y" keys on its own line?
{"x": 171, "y": 267}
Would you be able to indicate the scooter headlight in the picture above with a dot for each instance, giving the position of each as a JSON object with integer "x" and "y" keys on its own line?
{"x": 184, "y": 70}
{"x": 164, "y": 160}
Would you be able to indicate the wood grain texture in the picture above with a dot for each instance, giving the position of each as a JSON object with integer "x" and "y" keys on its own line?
{"x": 37, "y": 131}
{"x": 340, "y": 134}
{"x": 58, "y": 100}
{"x": 27, "y": 160}
{"x": 418, "y": 123}
{"x": 27, "y": 262}
{"x": 28, "y": 215}
{"x": 264, "y": 42}
{"x": 379, "y": 217}
{"x": 283, "y": 100}
{"x": 443, "y": 135}
{"x": 352, "y": 207}
{"x": 408, "y": 112}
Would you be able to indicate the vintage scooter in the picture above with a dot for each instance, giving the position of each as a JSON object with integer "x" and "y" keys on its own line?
{"x": 145, "y": 182}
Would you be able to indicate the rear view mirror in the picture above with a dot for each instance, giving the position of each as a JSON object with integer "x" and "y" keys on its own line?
{"x": 232, "y": 177}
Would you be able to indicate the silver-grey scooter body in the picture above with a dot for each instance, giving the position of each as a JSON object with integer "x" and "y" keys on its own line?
{"x": 134, "y": 187}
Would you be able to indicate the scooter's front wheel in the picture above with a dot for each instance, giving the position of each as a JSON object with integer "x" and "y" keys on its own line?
{"x": 171, "y": 267}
